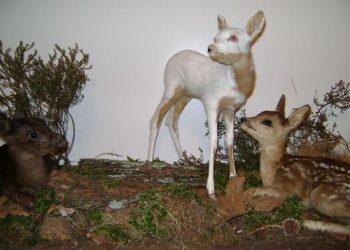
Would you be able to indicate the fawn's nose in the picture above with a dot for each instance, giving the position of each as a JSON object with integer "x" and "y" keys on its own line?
{"x": 209, "y": 49}
{"x": 243, "y": 119}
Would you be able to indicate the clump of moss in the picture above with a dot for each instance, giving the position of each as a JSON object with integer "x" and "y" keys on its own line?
{"x": 114, "y": 232}
{"x": 292, "y": 207}
{"x": 151, "y": 216}
{"x": 20, "y": 229}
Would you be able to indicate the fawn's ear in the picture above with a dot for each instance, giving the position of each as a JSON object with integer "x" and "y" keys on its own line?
{"x": 5, "y": 125}
{"x": 255, "y": 26}
{"x": 281, "y": 105}
{"x": 297, "y": 117}
{"x": 222, "y": 23}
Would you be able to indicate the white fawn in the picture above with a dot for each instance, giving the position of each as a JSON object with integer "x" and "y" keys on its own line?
{"x": 322, "y": 183}
{"x": 222, "y": 82}
{"x": 25, "y": 164}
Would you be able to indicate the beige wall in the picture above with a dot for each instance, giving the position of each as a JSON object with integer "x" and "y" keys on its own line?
{"x": 129, "y": 43}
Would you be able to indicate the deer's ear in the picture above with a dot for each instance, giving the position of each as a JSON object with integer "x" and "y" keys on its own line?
{"x": 255, "y": 26}
{"x": 297, "y": 117}
{"x": 222, "y": 24}
{"x": 281, "y": 105}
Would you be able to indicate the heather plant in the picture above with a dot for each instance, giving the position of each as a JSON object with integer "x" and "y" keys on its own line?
{"x": 45, "y": 89}
{"x": 318, "y": 131}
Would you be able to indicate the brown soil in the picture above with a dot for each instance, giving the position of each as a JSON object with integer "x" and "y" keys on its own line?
{"x": 191, "y": 223}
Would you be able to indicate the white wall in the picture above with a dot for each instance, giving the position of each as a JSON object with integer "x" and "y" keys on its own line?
{"x": 129, "y": 43}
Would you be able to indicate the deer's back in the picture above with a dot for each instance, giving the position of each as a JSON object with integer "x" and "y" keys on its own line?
{"x": 301, "y": 175}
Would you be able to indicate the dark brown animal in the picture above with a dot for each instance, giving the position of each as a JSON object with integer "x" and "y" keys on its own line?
{"x": 26, "y": 158}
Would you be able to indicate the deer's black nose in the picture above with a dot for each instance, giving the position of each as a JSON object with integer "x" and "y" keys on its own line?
{"x": 243, "y": 119}
{"x": 209, "y": 50}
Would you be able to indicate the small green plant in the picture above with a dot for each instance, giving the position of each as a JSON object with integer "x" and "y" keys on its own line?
{"x": 221, "y": 175}
{"x": 94, "y": 216}
{"x": 43, "y": 200}
{"x": 114, "y": 232}
{"x": 111, "y": 182}
{"x": 292, "y": 207}
{"x": 43, "y": 89}
{"x": 251, "y": 181}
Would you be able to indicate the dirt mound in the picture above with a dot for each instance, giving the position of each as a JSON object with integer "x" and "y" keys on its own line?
{"x": 140, "y": 205}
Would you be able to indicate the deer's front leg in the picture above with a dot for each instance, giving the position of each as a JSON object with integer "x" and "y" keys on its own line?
{"x": 229, "y": 125}
{"x": 268, "y": 198}
{"x": 212, "y": 116}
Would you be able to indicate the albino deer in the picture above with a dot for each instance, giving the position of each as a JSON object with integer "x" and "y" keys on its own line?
{"x": 25, "y": 164}
{"x": 321, "y": 182}
{"x": 222, "y": 82}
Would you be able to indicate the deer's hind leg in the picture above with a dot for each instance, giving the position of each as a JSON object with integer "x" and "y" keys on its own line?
{"x": 172, "y": 121}
{"x": 331, "y": 199}
{"x": 167, "y": 101}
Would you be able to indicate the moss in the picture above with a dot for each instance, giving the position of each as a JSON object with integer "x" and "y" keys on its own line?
{"x": 89, "y": 169}
{"x": 43, "y": 200}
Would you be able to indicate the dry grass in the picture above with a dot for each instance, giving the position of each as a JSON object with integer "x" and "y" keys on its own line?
{"x": 338, "y": 152}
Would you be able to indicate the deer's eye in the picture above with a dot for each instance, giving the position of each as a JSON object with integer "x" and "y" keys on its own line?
{"x": 33, "y": 135}
{"x": 233, "y": 38}
{"x": 267, "y": 123}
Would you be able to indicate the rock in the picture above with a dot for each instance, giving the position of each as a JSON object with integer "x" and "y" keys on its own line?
{"x": 55, "y": 228}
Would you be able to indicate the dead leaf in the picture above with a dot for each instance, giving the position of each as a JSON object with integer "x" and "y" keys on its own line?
{"x": 64, "y": 211}
{"x": 235, "y": 200}
{"x": 266, "y": 203}
{"x": 12, "y": 209}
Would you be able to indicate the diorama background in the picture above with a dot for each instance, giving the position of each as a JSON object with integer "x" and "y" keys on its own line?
{"x": 305, "y": 42}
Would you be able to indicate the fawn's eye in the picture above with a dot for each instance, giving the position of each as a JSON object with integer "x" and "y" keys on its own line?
{"x": 267, "y": 123}
{"x": 233, "y": 38}
{"x": 33, "y": 135}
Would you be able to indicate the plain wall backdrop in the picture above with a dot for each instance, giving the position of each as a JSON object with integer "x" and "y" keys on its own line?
{"x": 129, "y": 42}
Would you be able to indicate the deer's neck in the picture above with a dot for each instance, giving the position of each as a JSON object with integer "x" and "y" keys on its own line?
{"x": 271, "y": 157}
{"x": 244, "y": 71}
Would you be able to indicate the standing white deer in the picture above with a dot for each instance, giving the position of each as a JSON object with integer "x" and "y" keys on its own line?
{"x": 222, "y": 82}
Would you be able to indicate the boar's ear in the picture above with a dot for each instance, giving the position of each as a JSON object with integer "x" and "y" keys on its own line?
{"x": 5, "y": 125}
